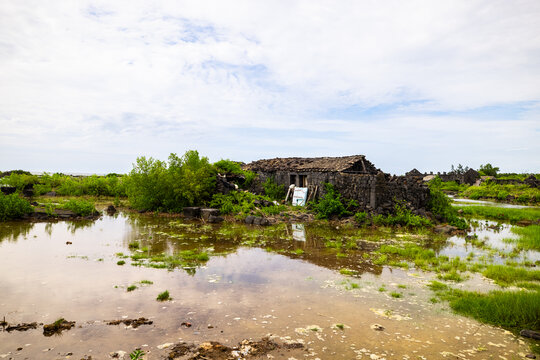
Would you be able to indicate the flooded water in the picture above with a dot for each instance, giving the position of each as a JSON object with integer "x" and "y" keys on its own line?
{"x": 281, "y": 280}
{"x": 466, "y": 202}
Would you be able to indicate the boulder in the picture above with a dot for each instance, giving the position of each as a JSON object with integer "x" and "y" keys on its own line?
{"x": 215, "y": 219}
{"x": 445, "y": 229}
{"x": 192, "y": 212}
{"x": 206, "y": 213}
{"x": 249, "y": 219}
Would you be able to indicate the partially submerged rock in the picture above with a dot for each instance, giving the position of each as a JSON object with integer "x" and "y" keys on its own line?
{"x": 57, "y": 327}
{"x": 246, "y": 349}
{"x": 19, "y": 327}
{"x": 134, "y": 323}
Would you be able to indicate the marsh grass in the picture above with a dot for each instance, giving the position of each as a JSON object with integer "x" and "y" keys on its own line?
{"x": 499, "y": 213}
{"x": 507, "y": 275}
{"x": 529, "y": 237}
{"x": 512, "y": 310}
{"x": 182, "y": 259}
{"x": 131, "y": 288}
{"x": 164, "y": 296}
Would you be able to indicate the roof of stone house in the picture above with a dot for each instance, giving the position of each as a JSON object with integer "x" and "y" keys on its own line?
{"x": 353, "y": 163}
{"x": 414, "y": 172}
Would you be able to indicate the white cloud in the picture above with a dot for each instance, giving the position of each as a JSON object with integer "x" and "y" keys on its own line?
{"x": 134, "y": 78}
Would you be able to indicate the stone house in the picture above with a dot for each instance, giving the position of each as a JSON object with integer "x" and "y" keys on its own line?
{"x": 353, "y": 176}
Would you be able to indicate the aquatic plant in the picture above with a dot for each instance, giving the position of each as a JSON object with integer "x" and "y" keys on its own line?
{"x": 131, "y": 288}
{"x": 136, "y": 354}
{"x": 164, "y": 296}
{"x": 506, "y": 275}
{"x": 529, "y": 237}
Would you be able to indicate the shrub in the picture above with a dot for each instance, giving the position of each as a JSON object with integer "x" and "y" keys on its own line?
{"x": 158, "y": 186}
{"x": 80, "y": 207}
{"x": 330, "y": 204}
{"x": 273, "y": 190}
{"x": 439, "y": 204}
{"x": 13, "y": 207}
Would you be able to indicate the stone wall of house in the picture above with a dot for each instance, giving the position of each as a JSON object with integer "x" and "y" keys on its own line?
{"x": 376, "y": 193}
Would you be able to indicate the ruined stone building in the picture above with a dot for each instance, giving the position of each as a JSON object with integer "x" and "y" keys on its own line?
{"x": 353, "y": 176}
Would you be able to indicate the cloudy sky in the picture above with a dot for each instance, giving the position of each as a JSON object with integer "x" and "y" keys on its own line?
{"x": 87, "y": 86}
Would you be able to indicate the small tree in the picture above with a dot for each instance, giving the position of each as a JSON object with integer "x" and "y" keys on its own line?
{"x": 488, "y": 170}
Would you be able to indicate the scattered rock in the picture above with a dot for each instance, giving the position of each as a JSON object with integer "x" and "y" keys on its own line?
{"x": 249, "y": 219}
{"x": 186, "y": 324}
{"x": 377, "y": 327}
{"x": 69, "y": 243}
{"x": 530, "y": 356}
{"x": 246, "y": 349}
{"x": 21, "y": 327}
{"x": 134, "y": 323}
{"x": 118, "y": 354}
{"x": 57, "y": 327}
{"x": 110, "y": 210}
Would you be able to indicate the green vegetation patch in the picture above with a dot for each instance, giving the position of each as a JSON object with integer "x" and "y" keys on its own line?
{"x": 529, "y": 237}
{"x": 507, "y": 275}
{"x": 80, "y": 207}
{"x": 164, "y": 296}
{"x": 183, "y": 259}
{"x": 512, "y": 310}
{"x": 499, "y": 213}
{"x": 13, "y": 207}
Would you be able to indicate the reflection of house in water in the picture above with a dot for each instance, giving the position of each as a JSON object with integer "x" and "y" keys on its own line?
{"x": 352, "y": 176}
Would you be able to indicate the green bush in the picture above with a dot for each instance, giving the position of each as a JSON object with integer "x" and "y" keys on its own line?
{"x": 80, "y": 207}
{"x": 330, "y": 204}
{"x": 273, "y": 190}
{"x": 158, "y": 186}
{"x": 244, "y": 203}
{"x": 361, "y": 218}
{"x": 19, "y": 180}
{"x": 227, "y": 166}
{"x": 13, "y": 207}
{"x": 439, "y": 204}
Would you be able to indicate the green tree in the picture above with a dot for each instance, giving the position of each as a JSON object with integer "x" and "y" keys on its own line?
{"x": 488, "y": 170}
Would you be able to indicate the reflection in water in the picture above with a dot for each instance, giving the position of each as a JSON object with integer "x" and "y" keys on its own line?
{"x": 258, "y": 280}
{"x": 13, "y": 230}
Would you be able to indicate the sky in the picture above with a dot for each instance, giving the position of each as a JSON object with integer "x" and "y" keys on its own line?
{"x": 88, "y": 86}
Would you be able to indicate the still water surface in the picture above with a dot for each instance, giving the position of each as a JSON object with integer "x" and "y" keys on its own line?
{"x": 278, "y": 280}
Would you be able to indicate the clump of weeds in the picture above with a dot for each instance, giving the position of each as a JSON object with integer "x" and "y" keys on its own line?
{"x": 164, "y": 296}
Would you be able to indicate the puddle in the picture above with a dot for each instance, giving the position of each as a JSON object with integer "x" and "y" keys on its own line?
{"x": 279, "y": 280}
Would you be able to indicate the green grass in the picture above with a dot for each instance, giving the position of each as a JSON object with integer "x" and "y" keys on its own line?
{"x": 120, "y": 262}
{"x": 146, "y": 282}
{"x": 80, "y": 207}
{"x": 529, "y": 237}
{"x": 507, "y": 275}
{"x": 512, "y": 310}
{"x": 396, "y": 295}
{"x": 348, "y": 272}
{"x": 164, "y": 296}
{"x": 131, "y": 288}
{"x": 134, "y": 245}
{"x": 521, "y": 193}
{"x": 502, "y": 214}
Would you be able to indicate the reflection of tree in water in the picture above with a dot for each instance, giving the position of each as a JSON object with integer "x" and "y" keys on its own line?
{"x": 73, "y": 226}
{"x": 12, "y": 231}
{"x": 155, "y": 236}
